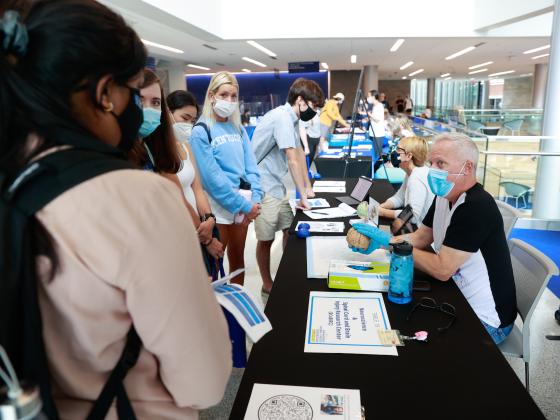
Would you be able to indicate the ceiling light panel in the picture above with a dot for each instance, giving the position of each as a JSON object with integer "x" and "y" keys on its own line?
{"x": 534, "y": 50}
{"x": 407, "y": 65}
{"x": 501, "y": 72}
{"x": 459, "y": 53}
{"x": 261, "y": 48}
{"x": 480, "y": 65}
{"x": 194, "y": 66}
{"x": 414, "y": 73}
{"x": 397, "y": 45}
{"x": 163, "y": 47}
{"x": 250, "y": 60}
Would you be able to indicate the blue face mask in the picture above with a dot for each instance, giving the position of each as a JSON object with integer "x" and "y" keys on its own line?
{"x": 437, "y": 180}
{"x": 152, "y": 120}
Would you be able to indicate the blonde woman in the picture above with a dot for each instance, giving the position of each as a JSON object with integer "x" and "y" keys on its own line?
{"x": 227, "y": 166}
{"x": 410, "y": 155}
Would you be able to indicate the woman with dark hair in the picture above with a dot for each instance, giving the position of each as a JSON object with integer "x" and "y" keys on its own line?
{"x": 184, "y": 110}
{"x": 101, "y": 261}
{"x": 158, "y": 152}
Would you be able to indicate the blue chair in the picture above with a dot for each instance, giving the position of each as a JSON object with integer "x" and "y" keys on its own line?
{"x": 475, "y": 125}
{"x": 515, "y": 191}
{"x": 531, "y": 272}
{"x": 513, "y": 126}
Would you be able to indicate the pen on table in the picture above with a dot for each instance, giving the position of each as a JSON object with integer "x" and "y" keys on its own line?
{"x": 318, "y": 212}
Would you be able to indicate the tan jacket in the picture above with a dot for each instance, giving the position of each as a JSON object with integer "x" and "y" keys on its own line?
{"x": 129, "y": 254}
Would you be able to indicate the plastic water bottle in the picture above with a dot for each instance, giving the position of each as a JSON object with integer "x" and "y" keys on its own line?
{"x": 401, "y": 273}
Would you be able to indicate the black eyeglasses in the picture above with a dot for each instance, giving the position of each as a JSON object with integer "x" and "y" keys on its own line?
{"x": 430, "y": 303}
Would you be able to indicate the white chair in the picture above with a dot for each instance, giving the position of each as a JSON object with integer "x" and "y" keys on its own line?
{"x": 509, "y": 214}
{"x": 531, "y": 270}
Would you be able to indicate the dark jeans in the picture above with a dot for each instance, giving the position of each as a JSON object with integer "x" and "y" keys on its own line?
{"x": 313, "y": 142}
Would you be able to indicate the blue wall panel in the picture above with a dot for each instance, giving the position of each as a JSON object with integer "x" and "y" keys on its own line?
{"x": 267, "y": 89}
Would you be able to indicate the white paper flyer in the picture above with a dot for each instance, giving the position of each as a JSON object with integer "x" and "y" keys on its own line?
{"x": 346, "y": 323}
{"x": 282, "y": 402}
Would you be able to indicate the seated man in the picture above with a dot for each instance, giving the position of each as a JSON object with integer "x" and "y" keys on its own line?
{"x": 467, "y": 232}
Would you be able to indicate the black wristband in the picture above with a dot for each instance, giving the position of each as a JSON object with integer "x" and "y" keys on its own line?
{"x": 207, "y": 216}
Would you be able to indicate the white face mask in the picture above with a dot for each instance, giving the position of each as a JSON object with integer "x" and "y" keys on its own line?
{"x": 182, "y": 131}
{"x": 370, "y": 100}
{"x": 224, "y": 109}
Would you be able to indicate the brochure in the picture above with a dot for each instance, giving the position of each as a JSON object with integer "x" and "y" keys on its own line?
{"x": 347, "y": 323}
{"x": 282, "y": 402}
{"x": 360, "y": 275}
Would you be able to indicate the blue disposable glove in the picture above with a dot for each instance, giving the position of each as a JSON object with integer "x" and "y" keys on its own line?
{"x": 377, "y": 237}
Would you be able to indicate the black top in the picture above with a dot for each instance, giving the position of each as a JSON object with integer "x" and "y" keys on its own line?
{"x": 475, "y": 225}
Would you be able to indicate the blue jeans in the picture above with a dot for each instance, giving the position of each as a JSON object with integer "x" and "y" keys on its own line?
{"x": 497, "y": 334}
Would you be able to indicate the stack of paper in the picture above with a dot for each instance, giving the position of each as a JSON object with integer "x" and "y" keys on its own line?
{"x": 315, "y": 203}
{"x": 329, "y": 186}
{"x": 343, "y": 210}
{"x": 329, "y": 227}
{"x": 360, "y": 275}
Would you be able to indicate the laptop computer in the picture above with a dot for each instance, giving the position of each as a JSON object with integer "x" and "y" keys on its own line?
{"x": 358, "y": 193}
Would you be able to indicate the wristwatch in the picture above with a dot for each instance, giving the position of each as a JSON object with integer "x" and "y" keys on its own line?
{"x": 207, "y": 216}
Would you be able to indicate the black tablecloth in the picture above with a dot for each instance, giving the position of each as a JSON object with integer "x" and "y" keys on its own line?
{"x": 457, "y": 374}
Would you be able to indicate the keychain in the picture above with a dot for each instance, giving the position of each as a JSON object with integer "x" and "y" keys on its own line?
{"x": 395, "y": 338}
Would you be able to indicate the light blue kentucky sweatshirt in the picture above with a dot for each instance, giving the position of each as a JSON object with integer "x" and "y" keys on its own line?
{"x": 222, "y": 163}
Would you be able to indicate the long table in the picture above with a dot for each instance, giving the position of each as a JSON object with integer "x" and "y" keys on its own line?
{"x": 457, "y": 374}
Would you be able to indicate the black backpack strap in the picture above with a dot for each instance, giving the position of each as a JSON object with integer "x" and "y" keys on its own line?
{"x": 203, "y": 125}
{"x": 32, "y": 189}
{"x": 267, "y": 153}
{"x": 114, "y": 386}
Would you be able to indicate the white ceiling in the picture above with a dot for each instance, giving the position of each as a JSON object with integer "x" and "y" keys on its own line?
{"x": 427, "y": 52}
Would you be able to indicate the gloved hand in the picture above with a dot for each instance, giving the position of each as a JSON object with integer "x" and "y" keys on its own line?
{"x": 377, "y": 237}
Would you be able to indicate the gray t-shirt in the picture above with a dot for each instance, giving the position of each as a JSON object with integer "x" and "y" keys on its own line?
{"x": 276, "y": 131}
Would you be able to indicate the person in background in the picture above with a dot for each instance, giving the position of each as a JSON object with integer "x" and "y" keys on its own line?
{"x": 399, "y": 103}
{"x": 377, "y": 118}
{"x": 410, "y": 155}
{"x": 401, "y": 126}
{"x": 229, "y": 171}
{"x": 330, "y": 115}
{"x": 383, "y": 100}
{"x": 310, "y": 133}
{"x": 116, "y": 251}
{"x": 465, "y": 228}
{"x": 277, "y": 146}
{"x": 158, "y": 152}
{"x": 184, "y": 111}
{"x": 427, "y": 113}
{"x": 408, "y": 105}
{"x": 246, "y": 118}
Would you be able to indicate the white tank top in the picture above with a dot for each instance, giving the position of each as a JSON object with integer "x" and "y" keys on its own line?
{"x": 186, "y": 177}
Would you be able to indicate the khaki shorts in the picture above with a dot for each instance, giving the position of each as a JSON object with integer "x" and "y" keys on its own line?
{"x": 275, "y": 215}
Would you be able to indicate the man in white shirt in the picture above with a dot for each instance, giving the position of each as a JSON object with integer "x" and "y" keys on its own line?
{"x": 377, "y": 118}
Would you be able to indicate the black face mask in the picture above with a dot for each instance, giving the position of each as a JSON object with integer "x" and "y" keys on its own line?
{"x": 395, "y": 161}
{"x": 308, "y": 114}
{"x": 130, "y": 120}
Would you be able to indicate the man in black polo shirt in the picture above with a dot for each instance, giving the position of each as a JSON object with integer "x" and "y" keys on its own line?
{"x": 467, "y": 232}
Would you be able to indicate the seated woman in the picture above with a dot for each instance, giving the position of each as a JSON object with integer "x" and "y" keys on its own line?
{"x": 410, "y": 155}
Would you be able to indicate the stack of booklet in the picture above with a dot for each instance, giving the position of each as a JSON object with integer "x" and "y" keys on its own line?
{"x": 360, "y": 275}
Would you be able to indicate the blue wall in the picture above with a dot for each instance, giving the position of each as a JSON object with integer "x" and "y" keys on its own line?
{"x": 265, "y": 89}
